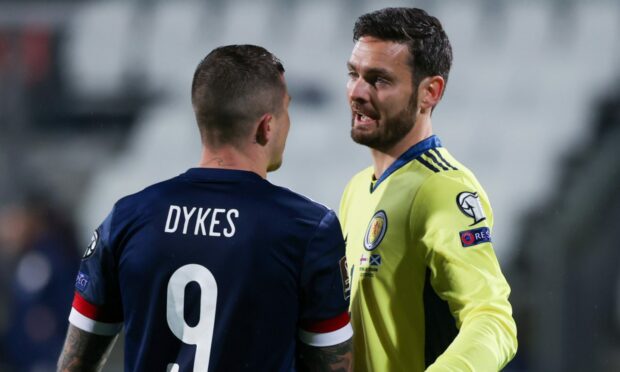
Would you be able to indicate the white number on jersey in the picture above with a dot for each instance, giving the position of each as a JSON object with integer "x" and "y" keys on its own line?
{"x": 201, "y": 334}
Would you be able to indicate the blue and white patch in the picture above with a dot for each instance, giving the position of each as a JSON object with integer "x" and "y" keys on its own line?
{"x": 375, "y": 231}
{"x": 81, "y": 282}
{"x": 473, "y": 237}
{"x": 469, "y": 204}
{"x": 375, "y": 259}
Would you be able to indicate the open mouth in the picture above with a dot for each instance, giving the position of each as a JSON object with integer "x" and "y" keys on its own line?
{"x": 363, "y": 118}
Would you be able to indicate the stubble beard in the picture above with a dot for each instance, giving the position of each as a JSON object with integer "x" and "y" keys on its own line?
{"x": 388, "y": 133}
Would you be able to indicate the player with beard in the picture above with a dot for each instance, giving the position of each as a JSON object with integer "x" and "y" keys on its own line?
{"x": 427, "y": 290}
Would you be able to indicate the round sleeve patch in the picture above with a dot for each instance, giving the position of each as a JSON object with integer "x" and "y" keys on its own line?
{"x": 92, "y": 245}
{"x": 469, "y": 204}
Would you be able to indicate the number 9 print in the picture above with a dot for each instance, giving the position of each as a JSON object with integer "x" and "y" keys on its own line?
{"x": 201, "y": 334}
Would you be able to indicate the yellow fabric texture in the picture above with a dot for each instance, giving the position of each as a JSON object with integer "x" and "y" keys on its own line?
{"x": 405, "y": 232}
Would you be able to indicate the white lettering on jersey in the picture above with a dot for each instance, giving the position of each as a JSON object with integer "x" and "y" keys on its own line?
{"x": 188, "y": 216}
{"x": 174, "y": 209}
{"x": 198, "y": 218}
{"x": 200, "y": 221}
{"x": 228, "y": 233}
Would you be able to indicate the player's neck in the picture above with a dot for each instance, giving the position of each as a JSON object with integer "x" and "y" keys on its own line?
{"x": 383, "y": 159}
{"x": 228, "y": 157}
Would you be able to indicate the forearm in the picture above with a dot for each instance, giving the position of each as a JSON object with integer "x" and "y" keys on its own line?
{"x": 84, "y": 351}
{"x": 485, "y": 343}
{"x": 337, "y": 358}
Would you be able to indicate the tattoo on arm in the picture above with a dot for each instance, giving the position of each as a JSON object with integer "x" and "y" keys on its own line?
{"x": 337, "y": 358}
{"x": 84, "y": 351}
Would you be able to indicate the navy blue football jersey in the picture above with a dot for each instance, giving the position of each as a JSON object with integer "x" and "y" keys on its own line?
{"x": 215, "y": 270}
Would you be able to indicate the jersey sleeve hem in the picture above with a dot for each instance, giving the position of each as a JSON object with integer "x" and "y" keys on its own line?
{"x": 327, "y": 332}
{"x": 94, "y": 312}
{"x": 326, "y": 339}
{"x": 328, "y": 325}
{"x": 89, "y": 325}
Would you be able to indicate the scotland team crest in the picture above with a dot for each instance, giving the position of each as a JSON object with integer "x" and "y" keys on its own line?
{"x": 375, "y": 231}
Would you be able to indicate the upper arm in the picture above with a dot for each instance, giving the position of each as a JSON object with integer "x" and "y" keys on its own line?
{"x": 96, "y": 314}
{"x": 454, "y": 221}
{"x": 324, "y": 317}
{"x": 97, "y": 304}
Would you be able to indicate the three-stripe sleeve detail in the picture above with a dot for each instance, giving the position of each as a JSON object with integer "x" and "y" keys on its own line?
{"x": 443, "y": 159}
{"x": 433, "y": 160}
{"x": 427, "y": 164}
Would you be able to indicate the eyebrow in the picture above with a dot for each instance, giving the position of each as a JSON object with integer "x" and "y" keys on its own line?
{"x": 372, "y": 70}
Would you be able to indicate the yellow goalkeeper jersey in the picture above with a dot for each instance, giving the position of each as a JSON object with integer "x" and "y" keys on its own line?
{"x": 426, "y": 288}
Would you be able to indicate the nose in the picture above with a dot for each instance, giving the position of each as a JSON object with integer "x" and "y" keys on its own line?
{"x": 358, "y": 90}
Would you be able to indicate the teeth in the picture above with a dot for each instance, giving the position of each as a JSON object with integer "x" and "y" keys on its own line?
{"x": 361, "y": 117}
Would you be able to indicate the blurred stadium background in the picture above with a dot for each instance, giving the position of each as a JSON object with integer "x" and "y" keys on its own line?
{"x": 94, "y": 104}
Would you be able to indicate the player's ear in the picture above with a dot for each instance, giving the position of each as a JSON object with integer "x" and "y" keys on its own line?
{"x": 430, "y": 92}
{"x": 263, "y": 130}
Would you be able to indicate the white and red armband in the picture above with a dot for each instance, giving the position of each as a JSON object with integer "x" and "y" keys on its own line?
{"x": 326, "y": 332}
{"x": 91, "y": 318}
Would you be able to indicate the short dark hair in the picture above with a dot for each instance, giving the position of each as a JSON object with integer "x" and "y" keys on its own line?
{"x": 233, "y": 86}
{"x": 429, "y": 47}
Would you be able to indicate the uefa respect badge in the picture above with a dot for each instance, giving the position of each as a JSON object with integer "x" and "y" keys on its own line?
{"x": 473, "y": 237}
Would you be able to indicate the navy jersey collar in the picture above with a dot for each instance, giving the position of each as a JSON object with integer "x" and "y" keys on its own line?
{"x": 412, "y": 153}
{"x": 217, "y": 174}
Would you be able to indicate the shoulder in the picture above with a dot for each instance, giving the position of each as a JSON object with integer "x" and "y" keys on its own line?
{"x": 446, "y": 174}
{"x": 449, "y": 182}
{"x": 452, "y": 191}
{"x": 149, "y": 193}
{"x": 363, "y": 176}
{"x": 131, "y": 207}
{"x": 305, "y": 218}
{"x": 361, "y": 179}
{"x": 297, "y": 205}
